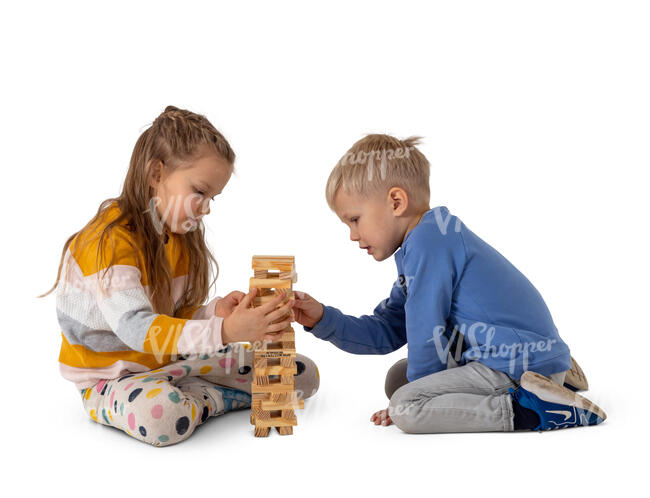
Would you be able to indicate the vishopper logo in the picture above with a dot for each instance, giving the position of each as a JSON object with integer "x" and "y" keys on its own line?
{"x": 511, "y": 351}
{"x": 160, "y": 342}
{"x": 369, "y": 158}
{"x": 178, "y": 207}
{"x": 102, "y": 280}
{"x": 442, "y": 224}
{"x": 397, "y": 409}
{"x": 402, "y": 282}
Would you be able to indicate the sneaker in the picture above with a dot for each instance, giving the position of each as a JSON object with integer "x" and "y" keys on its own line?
{"x": 556, "y": 406}
{"x": 575, "y": 378}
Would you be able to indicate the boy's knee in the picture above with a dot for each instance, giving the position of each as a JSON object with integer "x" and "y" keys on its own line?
{"x": 395, "y": 377}
{"x": 401, "y": 409}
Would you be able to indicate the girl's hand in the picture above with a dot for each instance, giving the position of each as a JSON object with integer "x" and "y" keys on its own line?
{"x": 247, "y": 324}
{"x": 226, "y": 305}
{"x": 306, "y": 309}
{"x": 381, "y": 417}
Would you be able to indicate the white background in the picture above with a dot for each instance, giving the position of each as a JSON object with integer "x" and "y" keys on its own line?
{"x": 535, "y": 121}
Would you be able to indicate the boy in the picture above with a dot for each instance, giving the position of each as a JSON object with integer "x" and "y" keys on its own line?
{"x": 483, "y": 352}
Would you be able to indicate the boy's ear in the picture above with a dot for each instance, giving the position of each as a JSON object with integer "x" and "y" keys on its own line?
{"x": 398, "y": 200}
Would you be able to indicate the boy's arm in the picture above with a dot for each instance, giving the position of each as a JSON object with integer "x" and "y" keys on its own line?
{"x": 380, "y": 333}
{"x": 431, "y": 266}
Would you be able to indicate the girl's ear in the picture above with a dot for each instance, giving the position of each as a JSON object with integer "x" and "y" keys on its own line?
{"x": 153, "y": 171}
{"x": 398, "y": 200}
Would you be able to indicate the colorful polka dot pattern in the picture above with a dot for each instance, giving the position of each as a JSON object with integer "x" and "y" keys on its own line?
{"x": 164, "y": 406}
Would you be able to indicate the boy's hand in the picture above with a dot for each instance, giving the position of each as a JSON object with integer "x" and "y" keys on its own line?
{"x": 247, "y": 324}
{"x": 226, "y": 305}
{"x": 306, "y": 309}
{"x": 381, "y": 417}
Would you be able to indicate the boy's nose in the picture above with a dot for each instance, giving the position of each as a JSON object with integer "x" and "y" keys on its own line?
{"x": 354, "y": 236}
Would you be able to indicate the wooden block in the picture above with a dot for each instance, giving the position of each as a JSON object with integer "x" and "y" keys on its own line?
{"x": 273, "y": 387}
{"x": 283, "y": 347}
{"x": 269, "y": 283}
{"x": 290, "y": 401}
{"x": 276, "y": 422}
{"x": 281, "y": 263}
{"x": 261, "y": 431}
{"x": 260, "y": 300}
{"x": 285, "y": 336}
{"x": 266, "y": 353}
{"x": 288, "y": 361}
{"x": 279, "y": 370}
{"x": 261, "y": 379}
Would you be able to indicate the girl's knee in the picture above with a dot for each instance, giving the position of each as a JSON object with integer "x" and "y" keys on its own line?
{"x": 164, "y": 423}
{"x": 307, "y": 377}
{"x": 152, "y": 411}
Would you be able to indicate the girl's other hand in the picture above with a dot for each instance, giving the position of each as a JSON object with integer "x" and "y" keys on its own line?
{"x": 246, "y": 324}
{"x": 226, "y": 305}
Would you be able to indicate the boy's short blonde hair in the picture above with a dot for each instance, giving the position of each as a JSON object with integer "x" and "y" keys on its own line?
{"x": 377, "y": 163}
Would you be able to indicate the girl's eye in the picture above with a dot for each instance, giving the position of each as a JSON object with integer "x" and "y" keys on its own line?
{"x": 201, "y": 193}
{"x": 354, "y": 220}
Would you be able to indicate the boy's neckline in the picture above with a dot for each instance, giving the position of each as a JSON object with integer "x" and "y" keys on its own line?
{"x": 424, "y": 215}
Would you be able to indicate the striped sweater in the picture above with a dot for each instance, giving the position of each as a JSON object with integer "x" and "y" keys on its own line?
{"x": 111, "y": 329}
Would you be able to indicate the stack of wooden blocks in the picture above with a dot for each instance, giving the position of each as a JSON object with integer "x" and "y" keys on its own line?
{"x": 274, "y": 399}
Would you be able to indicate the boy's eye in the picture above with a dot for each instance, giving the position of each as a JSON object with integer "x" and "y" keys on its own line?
{"x": 354, "y": 220}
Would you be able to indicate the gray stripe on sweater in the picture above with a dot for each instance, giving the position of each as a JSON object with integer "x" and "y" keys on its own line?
{"x": 96, "y": 340}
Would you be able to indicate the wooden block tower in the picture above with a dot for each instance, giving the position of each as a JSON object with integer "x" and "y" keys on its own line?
{"x": 274, "y": 397}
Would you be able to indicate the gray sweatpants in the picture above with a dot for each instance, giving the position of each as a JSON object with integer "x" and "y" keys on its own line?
{"x": 467, "y": 398}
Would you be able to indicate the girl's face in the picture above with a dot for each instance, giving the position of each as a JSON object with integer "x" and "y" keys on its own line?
{"x": 182, "y": 197}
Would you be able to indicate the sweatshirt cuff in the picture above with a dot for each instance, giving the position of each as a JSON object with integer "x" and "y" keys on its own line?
{"x": 200, "y": 337}
{"x": 327, "y": 324}
{"x": 206, "y": 311}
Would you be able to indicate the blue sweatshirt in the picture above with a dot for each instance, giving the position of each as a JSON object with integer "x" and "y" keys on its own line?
{"x": 453, "y": 285}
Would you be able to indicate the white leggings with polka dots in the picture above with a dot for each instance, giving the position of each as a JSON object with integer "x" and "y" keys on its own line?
{"x": 164, "y": 406}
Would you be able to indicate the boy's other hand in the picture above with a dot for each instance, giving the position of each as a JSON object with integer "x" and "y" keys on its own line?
{"x": 306, "y": 309}
{"x": 381, "y": 417}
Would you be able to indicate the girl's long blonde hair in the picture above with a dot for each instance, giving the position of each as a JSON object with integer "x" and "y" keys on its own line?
{"x": 175, "y": 135}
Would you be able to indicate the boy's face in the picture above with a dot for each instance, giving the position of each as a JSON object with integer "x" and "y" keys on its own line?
{"x": 373, "y": 221}
{"x": 183, "y": 196}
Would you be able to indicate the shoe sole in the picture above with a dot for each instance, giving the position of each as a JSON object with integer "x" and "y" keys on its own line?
{"x": 547, "y": 390}
{"x": 576, "y": 378}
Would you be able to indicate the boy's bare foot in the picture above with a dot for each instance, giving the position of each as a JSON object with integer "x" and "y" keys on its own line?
{"x": 575, "y": 379}
{"x": 381, "y": 417}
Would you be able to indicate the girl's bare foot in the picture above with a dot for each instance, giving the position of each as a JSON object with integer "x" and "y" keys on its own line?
{"x": 381, "y": 417}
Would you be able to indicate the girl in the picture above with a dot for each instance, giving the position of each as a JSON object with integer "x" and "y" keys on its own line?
{"x": 146, "y": 356}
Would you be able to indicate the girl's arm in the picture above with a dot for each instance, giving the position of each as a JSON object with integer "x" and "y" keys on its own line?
{"x": 126, "y": 308}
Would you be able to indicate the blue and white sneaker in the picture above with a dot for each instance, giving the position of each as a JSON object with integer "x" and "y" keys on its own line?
{"x": 556, "y": 406}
